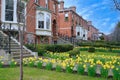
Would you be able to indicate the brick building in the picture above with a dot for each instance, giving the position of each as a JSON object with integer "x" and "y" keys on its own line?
{"x": 93, "y": 33}
{"x": 44, "y": 19}
{"x": 72, "y": 24}
{"x": 40, "y": 19}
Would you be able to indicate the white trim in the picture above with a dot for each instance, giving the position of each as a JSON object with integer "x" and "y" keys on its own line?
{"x": 45, "y": 15}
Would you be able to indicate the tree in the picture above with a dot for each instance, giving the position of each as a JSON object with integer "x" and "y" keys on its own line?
{"x": 116, "y": 33}
{"x": 21, "y": 16}
{"x": 117, "y": 4}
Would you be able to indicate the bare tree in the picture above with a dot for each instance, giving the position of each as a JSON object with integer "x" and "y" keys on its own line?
{"x": 116, "y": 33}
{"x": 117, "y": 4}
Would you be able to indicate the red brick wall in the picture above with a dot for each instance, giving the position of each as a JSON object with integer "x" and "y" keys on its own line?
{"x": 31, "y": 18}
{"x": 67, "y": 24}
{"x": 31, "y": 13}
{"x": 92, "y": 30}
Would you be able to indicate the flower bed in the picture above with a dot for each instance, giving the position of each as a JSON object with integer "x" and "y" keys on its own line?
{"x": 90, "y": 64}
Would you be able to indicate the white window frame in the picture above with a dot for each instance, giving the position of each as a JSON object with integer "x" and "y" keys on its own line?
{"x": 14, "y": 12}
{"x": 45, "y": 15}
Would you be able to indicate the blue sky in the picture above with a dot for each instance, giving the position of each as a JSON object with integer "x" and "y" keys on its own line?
{"x": 101, "y": 12}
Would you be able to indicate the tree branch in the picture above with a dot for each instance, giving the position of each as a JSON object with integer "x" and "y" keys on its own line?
{"x": 117, "y": 4}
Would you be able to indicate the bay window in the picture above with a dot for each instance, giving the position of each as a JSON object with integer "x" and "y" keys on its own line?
{"x": 9, "y": 10}
{"x": 41, "y": 20}
{"x": 48, "y": 21}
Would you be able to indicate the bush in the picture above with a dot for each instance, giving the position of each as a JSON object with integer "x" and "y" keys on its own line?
{"x": 41, "y": 50}
{"x": 59, "y": 48}
{"x": 74, "y": 52}
{"x": 91, "y": 49}
{"x": 30, "y": 46}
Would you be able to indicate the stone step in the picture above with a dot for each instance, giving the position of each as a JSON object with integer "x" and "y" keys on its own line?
{"x": 18, "y": 53}
{"x": 24, "y": 56}
{"x": 16, "y": 50}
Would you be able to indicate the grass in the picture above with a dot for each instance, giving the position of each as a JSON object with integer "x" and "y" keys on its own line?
{"x": 100, "y": 53}
{"x": 41, "y": 74}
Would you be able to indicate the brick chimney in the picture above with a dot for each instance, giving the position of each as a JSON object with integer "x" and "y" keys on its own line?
{"x": 73, "y": 8}
{"x": 61, "y": 5}
{"x": 89, "y": 22}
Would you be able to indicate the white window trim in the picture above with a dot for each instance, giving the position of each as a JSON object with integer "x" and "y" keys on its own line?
{"x": 45, "y": 15}
{"x": 14, "y": 14}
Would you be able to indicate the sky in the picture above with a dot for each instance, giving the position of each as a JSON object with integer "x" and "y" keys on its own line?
{"x": 102, "y": 13}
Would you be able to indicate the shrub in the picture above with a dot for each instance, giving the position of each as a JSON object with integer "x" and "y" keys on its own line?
{"x": 41, "y": 50}
{"x": 59, "y": 48}
{"x": 74, "y": 52}
{"x": 91, "y": 49}
{"x": 30, "y": 46}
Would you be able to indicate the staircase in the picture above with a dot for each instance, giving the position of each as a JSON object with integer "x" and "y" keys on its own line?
{"x": 13, "y": 47}
{"x": 63, "y": 39}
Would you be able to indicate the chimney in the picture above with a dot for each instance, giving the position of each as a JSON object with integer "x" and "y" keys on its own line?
{"x": 61, "y": 5}
{"x": 73, "y": 8}
{"x": 89, "y": 23}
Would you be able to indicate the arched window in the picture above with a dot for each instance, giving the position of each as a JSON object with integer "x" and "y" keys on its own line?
{"x": 41, "y": 20}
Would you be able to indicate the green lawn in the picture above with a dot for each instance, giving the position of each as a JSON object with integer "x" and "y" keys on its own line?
{"x": 40, "y": 74}
{"x": 100, "y": 53}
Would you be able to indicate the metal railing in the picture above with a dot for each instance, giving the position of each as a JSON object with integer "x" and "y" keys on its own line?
{"x": 72, "y": 40}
